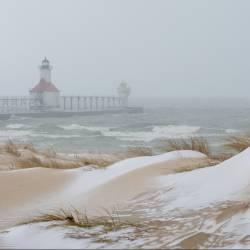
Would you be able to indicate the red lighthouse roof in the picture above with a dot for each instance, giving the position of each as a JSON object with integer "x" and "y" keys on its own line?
{"x": 44, "y": 86}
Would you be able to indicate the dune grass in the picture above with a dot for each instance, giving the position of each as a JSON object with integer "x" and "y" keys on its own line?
{"x": 111, "y": 221}
{"x": 194, "y": 143}
{"x": 27, "y": 156}
{"x": 30, "y": 147}
{"x": 139, "y": 151}
{"x": 237, "y": 143}
{"x": 35, "y": 161}
{"x": 11, "y": 148}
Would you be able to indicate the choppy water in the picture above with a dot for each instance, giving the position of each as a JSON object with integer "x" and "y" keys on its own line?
{"x": 163, "y": 118}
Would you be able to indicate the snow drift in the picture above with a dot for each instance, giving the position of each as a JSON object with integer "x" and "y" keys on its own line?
{"x": 205, "y": 208}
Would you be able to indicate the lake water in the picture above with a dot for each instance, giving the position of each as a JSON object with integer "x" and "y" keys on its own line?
{"x": 213, "y": 119}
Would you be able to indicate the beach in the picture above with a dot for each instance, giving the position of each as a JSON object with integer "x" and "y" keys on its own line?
{"x": 28, "y": 192}
{"x": 167, "y": 203}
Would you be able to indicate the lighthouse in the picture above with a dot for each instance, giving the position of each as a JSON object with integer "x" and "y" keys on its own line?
{"x": 123, "y": 91}
{"x": 45, "y": 70}
{"x": 45, "y": 94}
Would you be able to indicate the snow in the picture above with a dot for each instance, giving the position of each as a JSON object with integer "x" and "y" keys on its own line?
{"x": 187, "y": 203}
{"x": 227, "y": 181}
{"x": 90, "y": 180}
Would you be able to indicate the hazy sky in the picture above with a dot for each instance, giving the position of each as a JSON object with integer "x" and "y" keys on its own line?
{"x": 161, "y": 48}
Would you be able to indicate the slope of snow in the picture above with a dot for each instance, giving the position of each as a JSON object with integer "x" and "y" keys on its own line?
{"x": 200, "y": 209}
{"x": 229, "y": 180}
{"x": 89, "y": 180}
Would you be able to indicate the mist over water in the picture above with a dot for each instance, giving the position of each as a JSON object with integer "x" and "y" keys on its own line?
{"x": 213, "y": 119}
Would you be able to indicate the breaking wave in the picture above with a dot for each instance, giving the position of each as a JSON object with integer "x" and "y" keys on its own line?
{"x": 14, "y": 134}
{"x": 71, "y": 127}
{"x": 17, "y": 126}
{"x": 232, "y": 131}
{"x": 170, "y": 131}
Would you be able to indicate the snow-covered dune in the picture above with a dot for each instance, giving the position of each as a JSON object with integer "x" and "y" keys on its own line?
{"x": 229, "y": 180}
{"x": 98, "y": 177}
{"x": 204, "y": 208}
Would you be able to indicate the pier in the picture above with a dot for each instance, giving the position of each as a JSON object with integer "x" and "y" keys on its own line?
{"x": 70, "y": 105}
{"x": 45, "y": 100}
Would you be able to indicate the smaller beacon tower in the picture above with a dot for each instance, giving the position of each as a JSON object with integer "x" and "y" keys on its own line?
{"x": 45, "y": 94}
{"x": 124, "y": 92}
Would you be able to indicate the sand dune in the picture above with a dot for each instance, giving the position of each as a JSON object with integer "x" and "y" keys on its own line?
{"x": 23, "y": 190}
{"x": 29, "y": 192}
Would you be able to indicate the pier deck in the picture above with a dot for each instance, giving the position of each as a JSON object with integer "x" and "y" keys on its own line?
{"x": 41, "y": 114}
{"x": 69, "y": 106}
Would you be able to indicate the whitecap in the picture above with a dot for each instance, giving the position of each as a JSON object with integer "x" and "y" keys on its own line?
{"x": 81, "y": 127}
{"x": 14, "y": 134}
{"x": 157, "y": 132}
{"x": 17, "y": 126}
{"x": 231, "y": 131}
{"x": 54, "y": 136}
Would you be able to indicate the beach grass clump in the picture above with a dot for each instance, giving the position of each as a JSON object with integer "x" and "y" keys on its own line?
{"x": 49, "y": 153}
{"x": 191, "y": 165}
{"x": 99, "y": 162}
{"x": 11, "y": 148}
{"x": 237, "y": 143}
{"x": 111, "y": 221}
{"x": 199, "y": 144}
{"x": 139, "y": 151}
{"x": 35, "y": 161}
{"x": 31, "y": 162}
{"x": 30, "y": 147}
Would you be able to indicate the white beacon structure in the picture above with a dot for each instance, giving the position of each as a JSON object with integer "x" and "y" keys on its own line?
{"x": 124, "y": 92}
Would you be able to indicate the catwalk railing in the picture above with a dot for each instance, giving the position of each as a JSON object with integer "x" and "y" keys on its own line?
{"x": 90, "y": 102}
{"x": 22, "y": 104}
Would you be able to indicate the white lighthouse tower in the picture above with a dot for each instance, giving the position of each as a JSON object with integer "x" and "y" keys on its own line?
{"x": 45, "y": 70}
{"x": 124, "y": 92}
{"x": 45, "y": 93}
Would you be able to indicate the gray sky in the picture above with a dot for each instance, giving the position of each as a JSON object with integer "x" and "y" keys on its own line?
{"x": 161, "y": 48}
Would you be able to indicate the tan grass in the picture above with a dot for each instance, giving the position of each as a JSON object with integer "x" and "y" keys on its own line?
{"x": 229, "y": 209}
{"x": 194, "y": 143}
{"x": 11, "y": 148}
{"x": 193, "y": 165}
{"x": 49, "y": 153}
{"x": 30, "y": 147}
{"x": 237, "y": 143}
{"x": 139, "y": 151}
{"x": 49, "y": 158}
{"x": 94, "y": 162}
{"x": 111, "y": 221}
{"x": 35, "y": 161}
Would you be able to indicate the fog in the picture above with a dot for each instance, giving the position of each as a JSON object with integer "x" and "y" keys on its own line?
{"x": 161, "y": 48}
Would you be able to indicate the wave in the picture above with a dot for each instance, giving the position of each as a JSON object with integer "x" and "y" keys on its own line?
{"x": 232, "y": 131}
{"x": 81, "y": 127}
{"x": 156, "y": 132}
{"x": 14, "y": 134}
{"x": 17, "y": 126}
{"x": 71, "y": 127}
{"x": 54, "y": 136}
